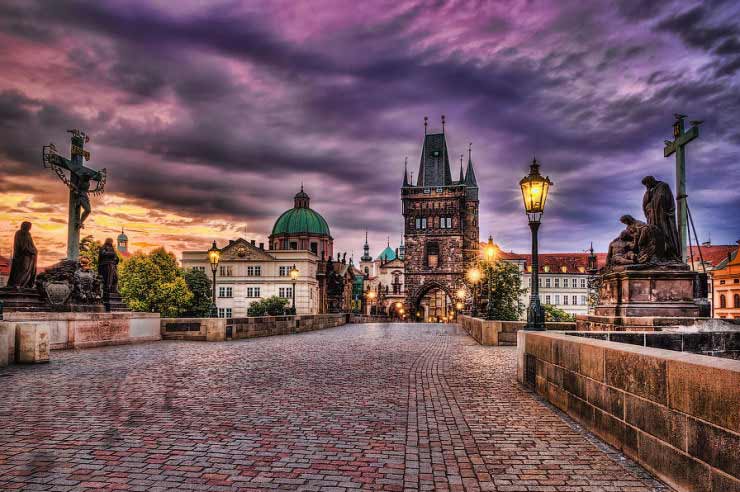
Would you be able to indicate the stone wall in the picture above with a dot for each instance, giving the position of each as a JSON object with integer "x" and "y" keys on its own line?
{"x": 677, "y": 414}
{"x": 82, "y": 330}
{"x": 725, "y": 344}
{"x": 590, "y": 322}
{"x": 495, "y": 332}
{"x": 363, "y": 318}
{"x": 7, "y": 343}
{"x": 221, "y": 329}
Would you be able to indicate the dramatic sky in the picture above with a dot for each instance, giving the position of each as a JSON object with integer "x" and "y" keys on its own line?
{"x": 209, "y": 115}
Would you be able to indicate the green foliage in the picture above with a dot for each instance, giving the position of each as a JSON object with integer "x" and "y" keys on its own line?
{"x": 200, "y": 285}
{"x": 154, "y": 283}
{"x": 90, "y": 249}
{"x": 270, "y": 306}
{"x": 506, "y": 287}
{"x": 553, "y": 313}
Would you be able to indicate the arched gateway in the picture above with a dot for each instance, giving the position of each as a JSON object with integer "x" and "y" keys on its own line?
{"x": 440, "y": 228}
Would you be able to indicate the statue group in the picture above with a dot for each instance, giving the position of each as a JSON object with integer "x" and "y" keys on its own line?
{"x": 648, "y": 244}
{"x": 68, "y": 285}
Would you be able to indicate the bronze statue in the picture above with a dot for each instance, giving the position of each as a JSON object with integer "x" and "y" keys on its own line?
{"x": 108, "y": 268}
{"x": 620, "y": 250}
{"x": 659, "y": 207}
{"x": 654, "y": 243}
{"x": 23, "y": 266}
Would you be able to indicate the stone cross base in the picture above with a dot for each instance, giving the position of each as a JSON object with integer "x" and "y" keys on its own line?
{"x": 646, "y": 293}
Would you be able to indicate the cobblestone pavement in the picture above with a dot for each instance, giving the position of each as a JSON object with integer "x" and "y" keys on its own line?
{"x": 383, "y": 406}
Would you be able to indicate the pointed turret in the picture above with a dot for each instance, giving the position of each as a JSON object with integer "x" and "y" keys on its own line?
{"x": 471, "y": 183}
{"x": 405, "y": 173}
{"x": 434, "y": 165}
{"x": 462, "y": 178}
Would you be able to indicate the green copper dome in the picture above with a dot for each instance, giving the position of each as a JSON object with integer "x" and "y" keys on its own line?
{"x": 301, "y": 219}
{"x": 387, "y": 254}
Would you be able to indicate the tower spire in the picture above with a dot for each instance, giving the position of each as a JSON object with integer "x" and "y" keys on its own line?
{"x": 462, "y": 178}
{"x": 405, "y": 172}
{"x": 470, "y": 180}
{"x": 426, "y": 122}
{"x": 443, "y": 123}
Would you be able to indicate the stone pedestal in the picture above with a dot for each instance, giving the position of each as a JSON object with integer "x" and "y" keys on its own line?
{"x": 31, "y": 343}
{"x": 647, "y": 293}
{"x": 115, "y": 303}
{"x": 25, "y": 300}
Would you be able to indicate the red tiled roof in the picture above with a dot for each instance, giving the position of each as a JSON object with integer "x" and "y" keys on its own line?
{"x": 571, "y": 261}
{"x": 713, "y": 254}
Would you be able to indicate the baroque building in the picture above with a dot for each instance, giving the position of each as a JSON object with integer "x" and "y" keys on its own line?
{"x": 384, "y": 276}
{"x": 441, "y": 228}
{"x": 248, "y": 272}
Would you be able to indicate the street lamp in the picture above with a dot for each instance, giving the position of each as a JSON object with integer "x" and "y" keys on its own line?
{"x": 370, "y": 297}
{"x": 474, "y": 278}
{"x": 490, "y": 257}
{"x": 214, "y": 255}
{"x": 534, "y": 192}
{"x": 294, "y": 276}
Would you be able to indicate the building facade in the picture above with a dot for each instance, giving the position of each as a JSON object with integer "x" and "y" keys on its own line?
{"x": 384, "y": 277}
{"x": 248, "y": 273}
{"x": 565, "y": 279}
{"x": 726, "y": 287}
{"x": 300, "y": 238}
{"x": 440, "y": 228}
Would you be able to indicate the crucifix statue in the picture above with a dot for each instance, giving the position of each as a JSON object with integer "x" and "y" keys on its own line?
{"x": 77, "y": 177}
{"x": 681, "y": 138}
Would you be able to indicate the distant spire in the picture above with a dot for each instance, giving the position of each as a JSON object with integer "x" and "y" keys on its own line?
{"x": 470, "y": 174}
{"x": 426, "y": 122}
{"x": 366, "y": 250}
{"x": 443, "y": 123}
{"x": 462, "y": 178}
{"x": 405, "y": 172}
{"x": 389, "y": 241}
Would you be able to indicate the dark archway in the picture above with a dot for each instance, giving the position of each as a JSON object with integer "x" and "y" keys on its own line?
{"x": 421, "y": 306}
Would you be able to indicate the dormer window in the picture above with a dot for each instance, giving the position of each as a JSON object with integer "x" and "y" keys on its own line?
{"x": 563, "y": 268}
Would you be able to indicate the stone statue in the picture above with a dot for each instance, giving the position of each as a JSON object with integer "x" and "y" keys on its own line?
{"x": 108, "y": 268}
{"x": 77, "y": 177}
{"x": 654, "y": 243}
{"x": 620, "y": 250}
{"x": 659, "y": 207}
{"x": 23, "y": 266}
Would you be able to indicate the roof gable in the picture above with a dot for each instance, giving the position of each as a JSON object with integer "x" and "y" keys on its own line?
{"x": 241, "y": 249}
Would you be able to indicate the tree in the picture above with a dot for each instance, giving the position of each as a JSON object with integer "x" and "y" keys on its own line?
{"x": 90, "y": 249}
{"x": 553, "y": 313}
{"x": 200, "y": 285}
{"x": 506, "y": 287}
{"x": 270, "y": 306}
{"x": 154, "y": 283}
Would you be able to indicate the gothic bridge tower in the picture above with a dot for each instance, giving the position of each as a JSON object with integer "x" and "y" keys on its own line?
{"x": 441, "y": 228}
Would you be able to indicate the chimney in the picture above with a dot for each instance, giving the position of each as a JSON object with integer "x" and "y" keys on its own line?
{"x": 262, "y": 245}
{"x": 252, "y": 242}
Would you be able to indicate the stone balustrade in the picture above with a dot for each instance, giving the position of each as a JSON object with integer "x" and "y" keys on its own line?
{"x": 221, "y": 329}
{"x": 494, "y": 332}
{"x": 676, "y": 413}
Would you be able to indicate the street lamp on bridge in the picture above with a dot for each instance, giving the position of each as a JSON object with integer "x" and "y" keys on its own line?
{"x": 474, "y": 278}
{"x": 534, "y": 192}
{"x": 214, "y": 256}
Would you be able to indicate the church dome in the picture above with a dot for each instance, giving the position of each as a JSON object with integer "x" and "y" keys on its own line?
{"x": 301, "y": 219}
{"x": 387, "y": 254}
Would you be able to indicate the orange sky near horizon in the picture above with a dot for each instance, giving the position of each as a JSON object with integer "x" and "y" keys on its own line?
{"x": 44, "y": 204}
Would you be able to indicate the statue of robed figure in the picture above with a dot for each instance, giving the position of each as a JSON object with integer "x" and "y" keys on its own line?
{"x": 108, "y": 269}
{"x": 659, "y": 207}
{"x": 23, "y": 266}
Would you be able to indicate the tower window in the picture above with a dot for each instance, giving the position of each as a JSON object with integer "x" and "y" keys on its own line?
{"x": 433, "y": 255}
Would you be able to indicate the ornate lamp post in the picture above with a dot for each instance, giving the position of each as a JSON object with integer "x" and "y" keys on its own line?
{"x": 214, "y": 255}
{"x": 474, "y": 278}
{"x": 294, "y": 276}
{"x": 490, "y": 258}
{"x": 534, "y": 192}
